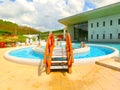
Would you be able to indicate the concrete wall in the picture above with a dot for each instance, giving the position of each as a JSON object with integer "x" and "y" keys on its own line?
{"x": 108, "y": 29}
{"x": 71, "y": 31}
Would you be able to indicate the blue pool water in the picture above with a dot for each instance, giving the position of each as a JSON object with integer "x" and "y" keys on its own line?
{"x": 95, "y": 51}
{"x": 26, "y": 53}
{"x": 117, "y": 46}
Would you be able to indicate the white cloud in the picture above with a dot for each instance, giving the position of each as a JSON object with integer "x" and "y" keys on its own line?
{"x": 43, "y": 14}
{"x": 39, "y": 13}
{"x": 101, "y": 3}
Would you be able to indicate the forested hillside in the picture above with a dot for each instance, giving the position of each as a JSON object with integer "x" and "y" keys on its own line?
{"x": 10, "y": 28}
{"x": 44, "y": 35}
{"x": 7, "y": 27}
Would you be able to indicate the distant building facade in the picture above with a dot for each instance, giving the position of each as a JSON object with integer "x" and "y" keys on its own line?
{"x": 99, "y": 25}
{"x": 105, "y": 29}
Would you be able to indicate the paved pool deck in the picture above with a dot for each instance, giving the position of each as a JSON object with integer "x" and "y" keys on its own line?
{"x": 15, "y": 76}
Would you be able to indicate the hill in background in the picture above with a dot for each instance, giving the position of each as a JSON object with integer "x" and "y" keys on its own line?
{"x": 44, "y": 35}
{"x": 7, "y": 27}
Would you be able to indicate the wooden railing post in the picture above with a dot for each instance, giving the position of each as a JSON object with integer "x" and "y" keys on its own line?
{"x": 69, "y": 52}
{"x": 48, "y": 52}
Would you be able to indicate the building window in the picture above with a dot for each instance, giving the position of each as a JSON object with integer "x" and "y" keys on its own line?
{"x": 110, "y": 22}
{"x": 118, "y": 21}
{"x": 97, "y": 24}
{"x": 110, "y": 36}
{"x": 103, "y": 23}
{"x": 75, "y": 33}
{"x": 91, "y": 36}
{"x": 91, "y": 25}
{"x": 103, "y": 36}
{"x": 97, "y": 36}
{"x": 118, "y": 35}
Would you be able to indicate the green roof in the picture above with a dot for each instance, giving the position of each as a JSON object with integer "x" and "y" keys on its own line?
{"x": 96, "y": 13}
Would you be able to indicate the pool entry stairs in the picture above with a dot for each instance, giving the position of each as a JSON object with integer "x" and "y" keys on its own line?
{"x": 58, "y": 58}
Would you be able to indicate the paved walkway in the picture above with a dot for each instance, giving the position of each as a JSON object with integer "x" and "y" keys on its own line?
{"x": 15, "y": 76}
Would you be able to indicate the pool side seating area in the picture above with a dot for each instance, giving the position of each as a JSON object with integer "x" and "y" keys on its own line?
{"x": 14, "y": 44}
{"x": 7, "y": 44}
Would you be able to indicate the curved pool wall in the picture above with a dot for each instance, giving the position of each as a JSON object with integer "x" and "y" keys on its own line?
{"x": 93, "y": 59}
{"x": 75, "y": 51}
{"x": 21, "y": 60}
{"x": 81, "y": 50}
{"x": 76, "y": 61}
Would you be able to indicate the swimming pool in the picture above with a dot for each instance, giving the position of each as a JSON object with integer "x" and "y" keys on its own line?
{"x": 95, "y": 51}
{"x": 28, "y": 55}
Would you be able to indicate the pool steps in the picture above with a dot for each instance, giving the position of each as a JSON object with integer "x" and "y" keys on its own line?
{"x": 59, "y": 59}
{"x": 112, "y": 63}
{"x": 117, "y": 59}
{"x": 59, "y": 67}
{"x": 59, "y": 53}
{"x": 51, "y": 52}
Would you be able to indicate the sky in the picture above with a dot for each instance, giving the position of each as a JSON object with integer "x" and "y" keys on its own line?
{"x": 43, "y": 15}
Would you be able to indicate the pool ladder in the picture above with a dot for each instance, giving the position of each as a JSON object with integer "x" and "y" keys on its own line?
{"x": 59, "y": 59}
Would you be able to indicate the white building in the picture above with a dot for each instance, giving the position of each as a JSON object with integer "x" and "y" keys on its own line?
{"x": 99, "y": 25}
